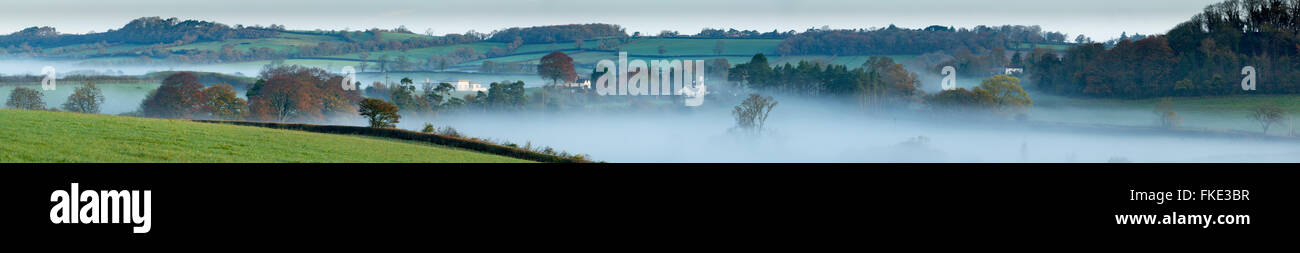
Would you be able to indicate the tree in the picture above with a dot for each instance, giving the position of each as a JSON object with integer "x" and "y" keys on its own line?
{"x": 302, "y": 93}
{"x": 361, "y": 67}
{"x": 85, "y": 99}
{"x": 556, "y": 67}
{"x": 383, "y": 63}
{"x": 504, "y": 95}
{"x": 381, "y": 114}
{"x": 752, "y": 113}
{"x": 25, "y": 99}
{"x": 1166, "y": 115}
{"x": 1267, "y": 115}
{"x": 180, "y": 96}
{"x": 224, "y": 104}
{"x": 443, "y": 63}
{"x": 1006, "y": 93}
{"x": 403, "y": 95}
{"x": 719, "y": 47}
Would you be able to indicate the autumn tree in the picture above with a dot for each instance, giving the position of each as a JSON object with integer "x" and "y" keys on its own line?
{"x": 301, "y": 93}
{"x": 997, "y": 94}
{"x": 25, "y": 99}
{"x": 1006, "y": 93}
{"x": 557, "y": 67}
{"x": 85, "y": 99}
{"x": 223, "y": 103}
{"x": 179, "y": 96}
{"x": 380, "y": 113}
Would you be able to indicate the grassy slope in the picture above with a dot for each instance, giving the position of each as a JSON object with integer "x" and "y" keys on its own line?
{"x": 38, "y": 136}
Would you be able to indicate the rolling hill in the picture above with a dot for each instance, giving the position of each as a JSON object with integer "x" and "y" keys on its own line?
{"x": 41, "y": 136}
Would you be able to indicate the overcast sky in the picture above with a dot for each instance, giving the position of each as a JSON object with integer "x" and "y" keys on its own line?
{"x": 1099, "y": 19}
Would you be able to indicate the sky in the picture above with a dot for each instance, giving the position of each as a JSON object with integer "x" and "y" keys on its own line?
{"x": 1098, "y": 19}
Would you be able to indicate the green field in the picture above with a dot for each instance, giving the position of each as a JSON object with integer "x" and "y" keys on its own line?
{"x": 1223, "y": 112}
{"x": 283, "y": 41}
{"x": 701, "y": 46}
{"x": 422, "y": 54}
{"x": 119, "y": 97}
{"x": 848, "y": 61}
{"x": 40, "y": 136}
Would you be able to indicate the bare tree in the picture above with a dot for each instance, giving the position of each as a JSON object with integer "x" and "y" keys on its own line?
{"x": 1267, "y": 115}
{"x": 752, "y": 113}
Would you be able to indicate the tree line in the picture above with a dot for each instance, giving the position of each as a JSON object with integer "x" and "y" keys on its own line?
{"x": 1202, "y": 56}
{"x": 879, "y": 83}
{"x": 896, "y": 40}
{"x": 146, "y": 30}
{"x": 557, "y": 33}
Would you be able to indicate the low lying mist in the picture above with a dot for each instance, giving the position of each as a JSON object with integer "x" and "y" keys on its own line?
{"x": 812, "y": 131}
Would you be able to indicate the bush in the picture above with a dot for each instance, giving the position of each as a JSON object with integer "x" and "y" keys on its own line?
{"x": 449, "y": 131}
{"x": 428, "y": 128}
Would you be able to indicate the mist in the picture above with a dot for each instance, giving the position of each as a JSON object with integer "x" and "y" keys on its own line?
{"x": 798, "y": 130}
{"x": 801, "y": 130}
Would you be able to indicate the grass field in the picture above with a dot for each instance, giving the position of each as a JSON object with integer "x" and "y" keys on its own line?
{"x": 701, "y": 46}
{"x": 119, "y": 97}
{"x": 39, "y": 136}
{"x": 848, "y": 61}
{"x": 283, "y": 41}
{"x": 1223, "y": 112}
{"x": 422, "y": 54}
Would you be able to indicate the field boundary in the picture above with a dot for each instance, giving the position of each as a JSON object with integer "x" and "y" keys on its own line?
{"x": 401, "y": 134}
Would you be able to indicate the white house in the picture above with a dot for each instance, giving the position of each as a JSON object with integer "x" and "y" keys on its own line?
{"x": 466, "y": 85}
{"x": 579, "y": 83}
{"x": 1011, "y": 71}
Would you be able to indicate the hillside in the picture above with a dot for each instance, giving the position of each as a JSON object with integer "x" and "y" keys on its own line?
{"x": 39, "y": 136}
{"x": 154, "y": 41}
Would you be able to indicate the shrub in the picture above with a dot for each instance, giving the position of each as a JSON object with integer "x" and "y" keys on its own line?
{"x": 428, "y": 128}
